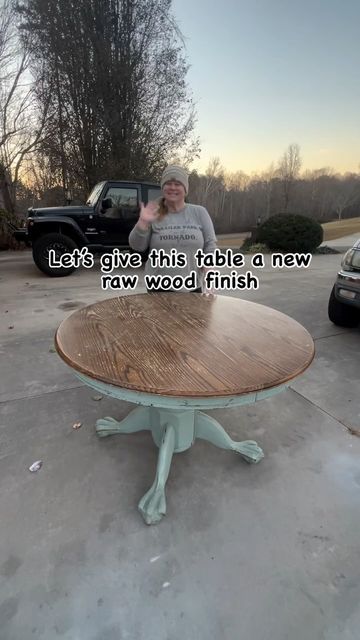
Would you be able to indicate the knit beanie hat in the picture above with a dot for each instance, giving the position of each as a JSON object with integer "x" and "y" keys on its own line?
{"x": 174, "y": 172}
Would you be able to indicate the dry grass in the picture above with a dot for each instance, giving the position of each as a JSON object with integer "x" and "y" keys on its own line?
{"x": 338, "y": 229}
{"x": 235, "y": 240}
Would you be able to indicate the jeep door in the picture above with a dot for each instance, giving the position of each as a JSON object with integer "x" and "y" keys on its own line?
{"x": 151, "y": 192}
{"x": 120, "y": 215}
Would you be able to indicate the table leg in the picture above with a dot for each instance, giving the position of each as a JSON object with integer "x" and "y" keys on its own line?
{"x": 152, "y": 505}
{"x": 172, "y": 431}
{"x": 209, "y": 429}
{"x": 137, "y": 420}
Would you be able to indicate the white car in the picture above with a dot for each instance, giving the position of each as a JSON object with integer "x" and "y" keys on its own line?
{"x": 344, "y": 302}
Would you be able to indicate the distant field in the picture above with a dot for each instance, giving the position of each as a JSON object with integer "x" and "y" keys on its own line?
{"x": 338, "y": 229}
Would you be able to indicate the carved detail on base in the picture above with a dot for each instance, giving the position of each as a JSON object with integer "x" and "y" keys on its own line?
{"x": 209, "y": 429}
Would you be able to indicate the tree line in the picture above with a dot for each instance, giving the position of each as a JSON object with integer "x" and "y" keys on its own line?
{"x": 238, "y": 202}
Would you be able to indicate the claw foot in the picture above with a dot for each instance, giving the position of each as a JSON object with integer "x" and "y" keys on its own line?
{"x": 107, "y": 427}
{"x": 152, "y": 505}
{"x": 249, "y": 450}
{"x": 137, "y": 420}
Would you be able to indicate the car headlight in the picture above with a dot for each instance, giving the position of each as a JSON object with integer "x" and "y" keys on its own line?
{"x": 351, "y": 260}
{"x": 346, "y": 262}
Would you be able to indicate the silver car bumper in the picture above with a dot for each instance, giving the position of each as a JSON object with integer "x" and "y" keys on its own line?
{"x": 347, "y": 288}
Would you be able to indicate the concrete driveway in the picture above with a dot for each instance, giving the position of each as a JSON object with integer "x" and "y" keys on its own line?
{"x": 264, "y": 552}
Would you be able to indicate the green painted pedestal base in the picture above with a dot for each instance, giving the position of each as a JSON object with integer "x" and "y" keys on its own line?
{"x": 173, "y": 431}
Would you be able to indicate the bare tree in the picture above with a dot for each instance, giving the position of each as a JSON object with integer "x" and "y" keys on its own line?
{"x": 20, "y": 124}
{"x": 288, "y": 171}
{"x": 236, "y": 180}
{"x": 121, "y": 106}
{"x": 347, "y": 193}
{"x": 236, "y": 184}
{"x": 214, "y": 174}
{"x": 267, "y": 180}
{"x": 315, "y": 192}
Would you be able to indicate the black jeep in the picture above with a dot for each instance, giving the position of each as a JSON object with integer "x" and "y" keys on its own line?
{"x": 101, "y": 225}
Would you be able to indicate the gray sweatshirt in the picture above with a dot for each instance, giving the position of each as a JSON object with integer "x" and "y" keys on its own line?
{"x": 187, "y": 231}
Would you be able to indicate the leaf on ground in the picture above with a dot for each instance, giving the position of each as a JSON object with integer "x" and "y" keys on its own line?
{"x": 97, "y": 398}
{"x": 77, "y": 425}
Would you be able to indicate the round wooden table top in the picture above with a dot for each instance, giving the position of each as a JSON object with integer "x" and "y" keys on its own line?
{"x": 184, "y": 344}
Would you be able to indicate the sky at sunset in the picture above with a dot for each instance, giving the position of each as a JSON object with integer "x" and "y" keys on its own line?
{"x": 267, "y": 73}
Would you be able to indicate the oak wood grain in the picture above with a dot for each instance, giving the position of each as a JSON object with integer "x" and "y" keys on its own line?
{"x": 184, "y": 344}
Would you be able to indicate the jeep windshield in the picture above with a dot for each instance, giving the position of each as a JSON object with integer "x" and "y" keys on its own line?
{"x": 94, "y": 195}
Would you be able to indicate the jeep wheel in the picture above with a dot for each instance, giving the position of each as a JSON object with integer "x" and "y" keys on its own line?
{"x": 342, "y": 314}
{"x": 60, "y": 244}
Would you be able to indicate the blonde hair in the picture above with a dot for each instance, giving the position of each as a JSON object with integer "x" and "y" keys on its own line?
{"x": 163, "y": 209}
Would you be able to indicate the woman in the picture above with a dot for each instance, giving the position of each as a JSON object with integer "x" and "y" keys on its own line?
{"x": 172, "y": 223}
